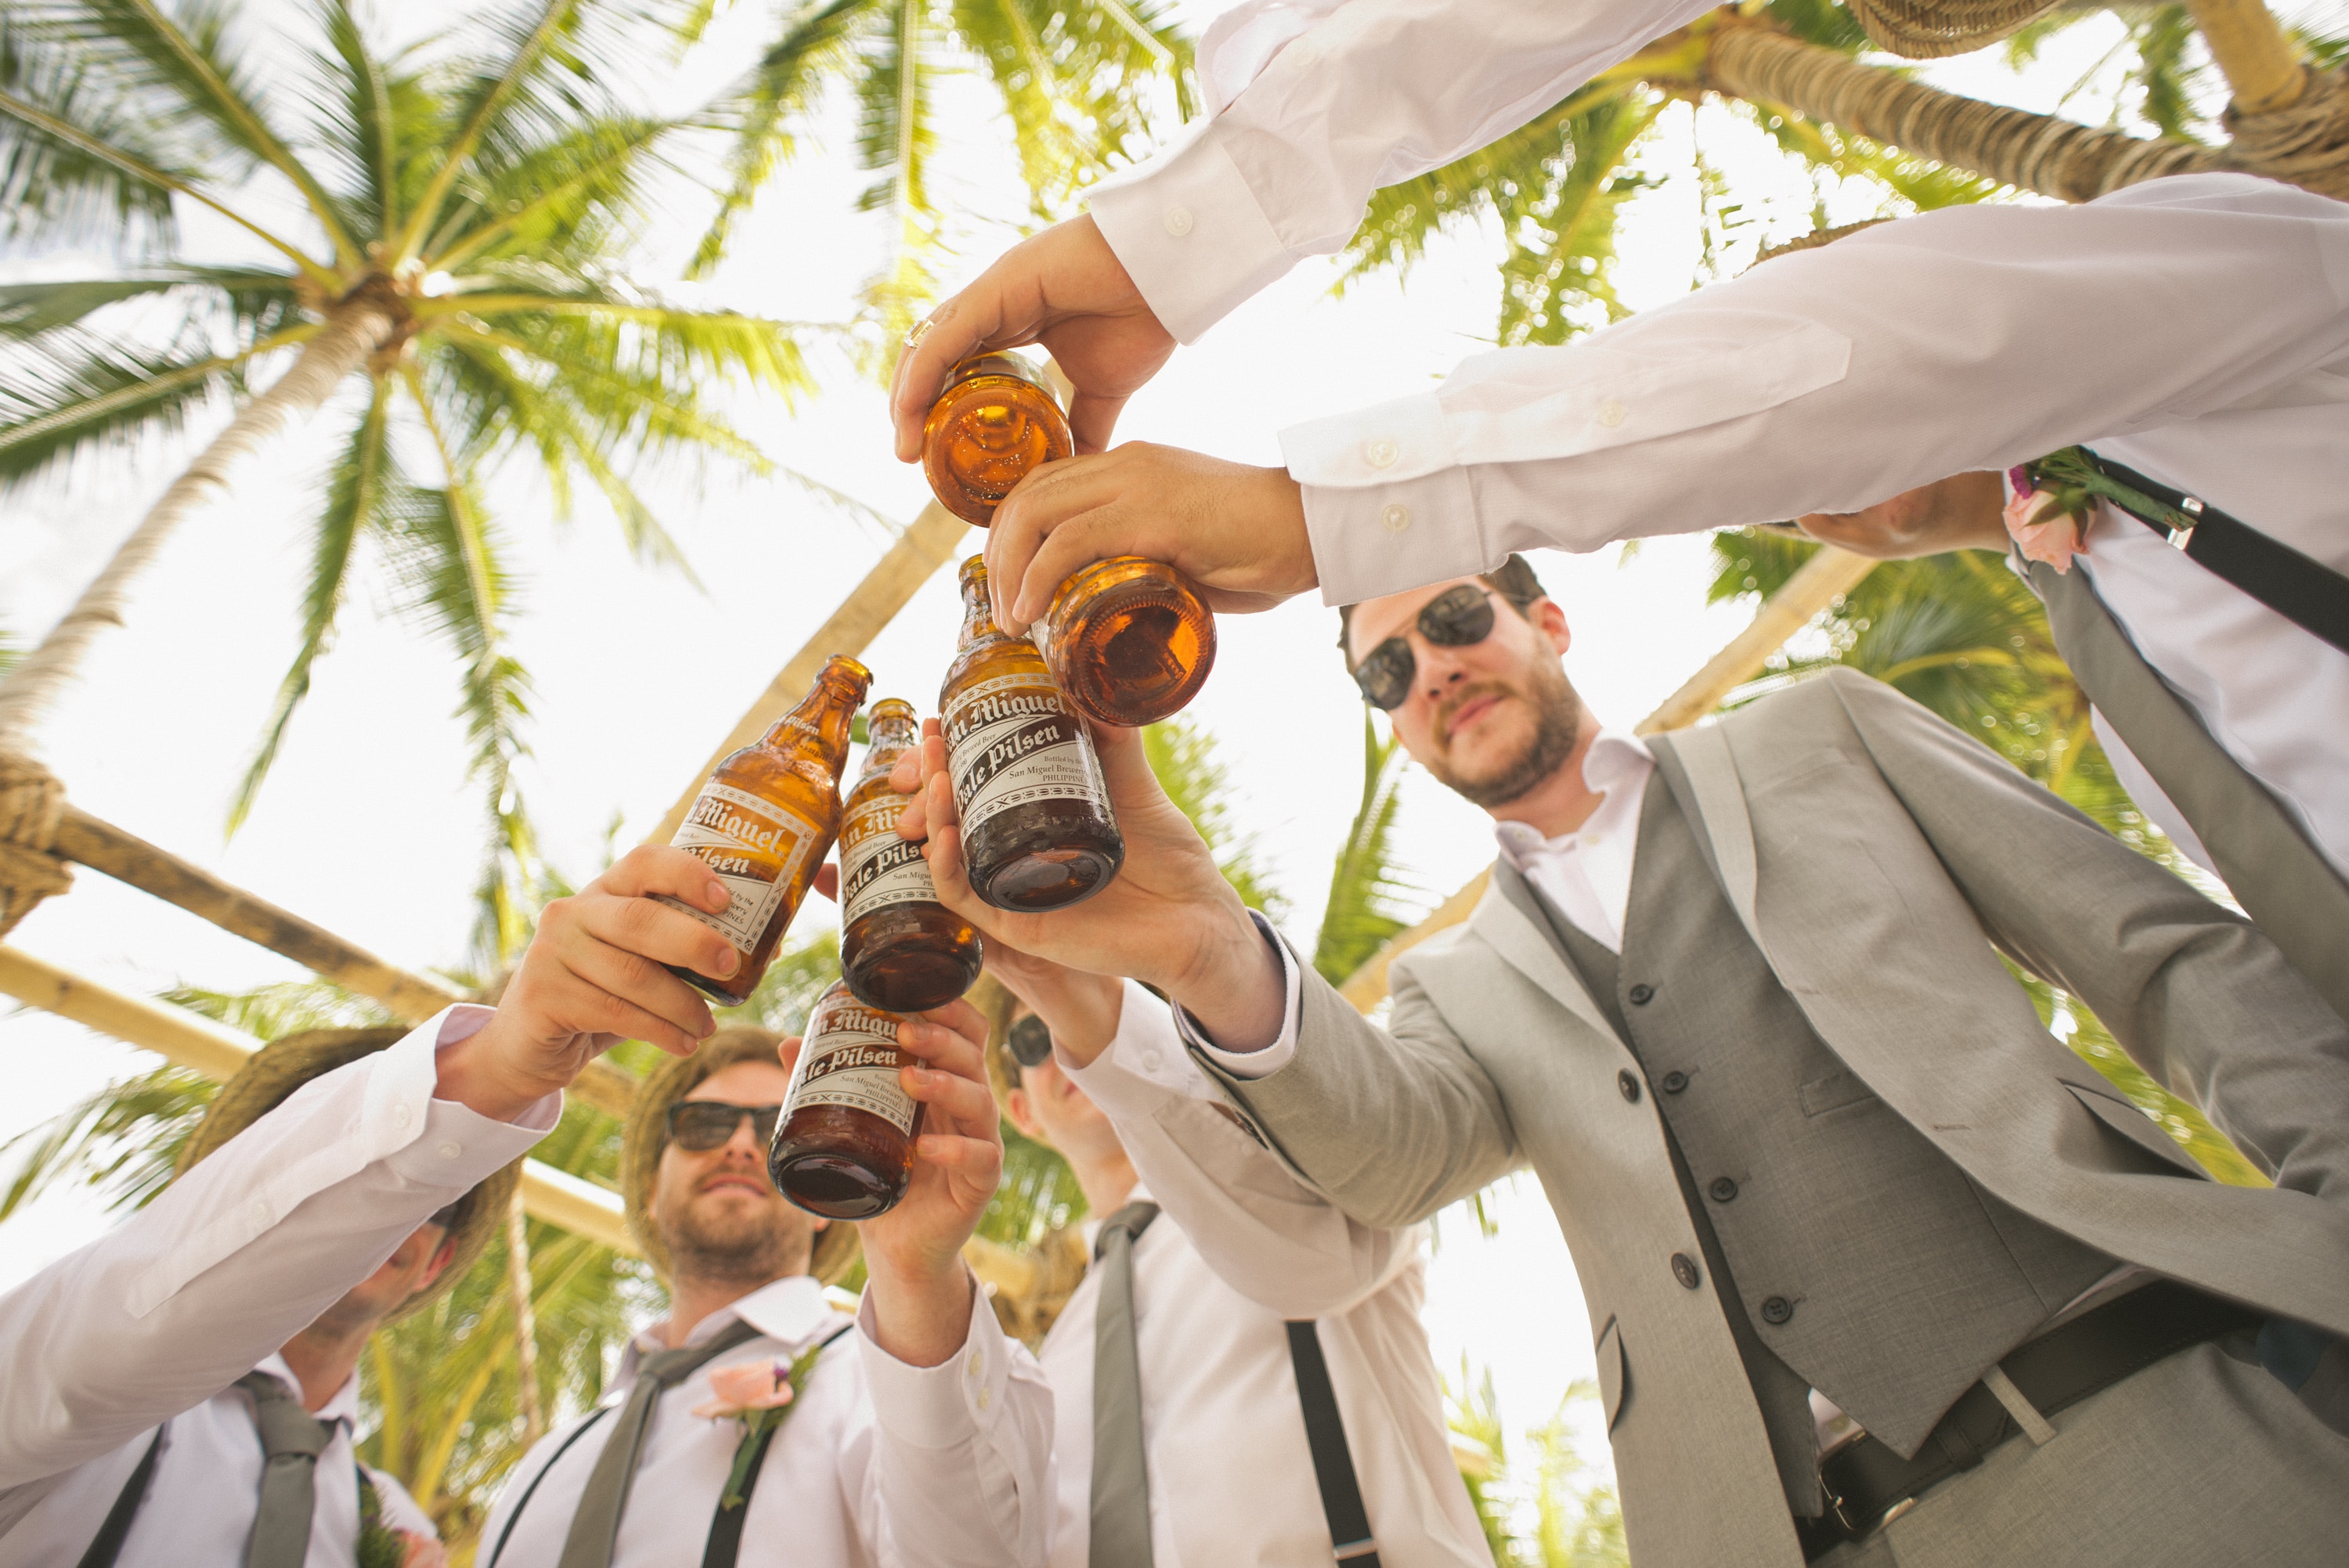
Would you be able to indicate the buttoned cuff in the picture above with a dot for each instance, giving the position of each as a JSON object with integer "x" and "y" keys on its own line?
{"x": 1251, "y": 1065}
{"x": 1145, "y": 1063}
{"x": 1190, "y": 232}
{"x": 454, "y": 1146}
{"x": 940, "y": 1406}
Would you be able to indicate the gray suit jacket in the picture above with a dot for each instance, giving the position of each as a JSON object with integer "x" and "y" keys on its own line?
{"x": 1870, "y": 849}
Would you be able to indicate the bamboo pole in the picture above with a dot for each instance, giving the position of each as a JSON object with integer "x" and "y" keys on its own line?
{"x": 933, "y": 539}
{"x": 1827, "y": 576}
{"x": 188, "y": 1040}
{"x": 2251, "y": 49}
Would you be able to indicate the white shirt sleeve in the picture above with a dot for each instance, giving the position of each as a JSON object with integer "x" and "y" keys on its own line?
{"x": 1317, "y": 103}
{"x": 242, "y": 1252}
{"x": 1966, "y": 339}
{"x": 963, "y": 1470}
{"x": 1258, "y": 1226}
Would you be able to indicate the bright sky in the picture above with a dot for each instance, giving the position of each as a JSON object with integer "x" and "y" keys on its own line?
{"x": 368, "y": 828}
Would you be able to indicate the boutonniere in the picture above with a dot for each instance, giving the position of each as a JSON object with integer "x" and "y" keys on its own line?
{"x": 759, "y": 1395}
{"x": 2047, "y": 517}
{"x": 382, "y": 1545}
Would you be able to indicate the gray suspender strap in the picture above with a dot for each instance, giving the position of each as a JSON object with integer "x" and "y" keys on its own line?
{"x": 521, "y": 1503}
{"x": 107, "y": 1544}
{"x": 725, "y": 1541}
{"x": 1333, "y": 1461}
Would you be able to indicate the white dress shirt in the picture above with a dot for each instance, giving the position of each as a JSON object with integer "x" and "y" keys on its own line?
{"x": 1241, "y": 1245}
{"x": 151, "y": 1321}
{"x": 879, "y": 1465}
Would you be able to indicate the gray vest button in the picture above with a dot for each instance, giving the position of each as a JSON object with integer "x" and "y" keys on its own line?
{"x": 1630, "y": 1084}
{"x": 1684, "y": 1271}
{"x": 1675, "y": 1081}
{"x": 1776, "y": 1309}
{"x": 1723, "y": 1189}
{"x": 1642, "y": 994}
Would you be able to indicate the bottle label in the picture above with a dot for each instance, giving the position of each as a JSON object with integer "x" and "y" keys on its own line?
{"x": 1011, "y": 740}
{"x": 852, "y": 1060}
{"x": 878, "y": 869}
{"x": 757, "y": 848}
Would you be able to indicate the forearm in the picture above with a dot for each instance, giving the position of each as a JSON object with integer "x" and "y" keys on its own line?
{"x": 238, "y": 1256}
{"x": 1961, "y": 340}
{"x": 920, "y": 1310}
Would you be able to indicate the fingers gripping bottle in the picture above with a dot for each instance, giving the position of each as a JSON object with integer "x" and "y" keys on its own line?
{"x": 900, "y": 948}
{"x": 845, "y": 1145}
{"x": 1129, "y": 640}
{"x": 765, "y": 821}
{"x": 1036, "y": 829}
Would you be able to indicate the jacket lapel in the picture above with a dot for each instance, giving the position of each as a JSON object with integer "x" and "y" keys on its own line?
{"x": 1705, "y": 762}
{"x": 1510, "y": 917}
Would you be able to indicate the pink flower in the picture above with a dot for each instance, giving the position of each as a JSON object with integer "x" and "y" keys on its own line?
{"x": 2044, "y": 531}
{"x": 423, "y": 1551}
{"x": 751, "y": 1385}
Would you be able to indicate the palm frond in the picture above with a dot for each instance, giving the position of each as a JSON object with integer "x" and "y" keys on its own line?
{"x": 1367, "y": 890}
{"x": 1562, "y": 245}
{"x": 256, "y": 300}
{"x": 575, "y": 194}
{"x": 56, "y": 189}
{"x": 1183, "y": 756}
{"x": 122, "y": 1139}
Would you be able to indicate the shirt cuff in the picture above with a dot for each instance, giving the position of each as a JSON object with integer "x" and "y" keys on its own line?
{"x": 1251, "y": 1065}
{"x": 1190, "y": 232}
{"x": 945, "y": 1406}
{"x": 443, "y": 1142}
{"x": 1145, "y": 1063}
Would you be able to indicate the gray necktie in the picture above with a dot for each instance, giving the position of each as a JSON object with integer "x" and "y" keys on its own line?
{"x": 1121, "y": 1496}
{"x": 596, "y": 1526}
{"x": 2279, "y": 877}
{"x": 291, "y": 1442}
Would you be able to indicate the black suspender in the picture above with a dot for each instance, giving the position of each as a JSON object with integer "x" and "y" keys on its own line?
{"x": 726, "y": 1525}
{"x": 1333, "y": 1461}
{"x": 522, "y": 1501}
{"x": 107, "y": 1544}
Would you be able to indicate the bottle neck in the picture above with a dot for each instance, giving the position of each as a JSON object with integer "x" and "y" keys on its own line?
{"x": 825, "y": 716}
{"x": 889, "y": 742}
{"x": 978, "y": 615}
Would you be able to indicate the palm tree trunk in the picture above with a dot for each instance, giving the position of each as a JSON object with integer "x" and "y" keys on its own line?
{"x": 2264, "y": 70}
{"x": 353, "y": 331}
{"x": 2032, "y": 151}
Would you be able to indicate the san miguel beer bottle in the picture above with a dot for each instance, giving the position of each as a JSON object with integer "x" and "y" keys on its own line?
{"x": 845, "y": 1145}
{"x": 1129, "y": 640}
{"x": 900, "y": 948}
{"x": 765, "y": 821}
{"x": 1037, "y": 830}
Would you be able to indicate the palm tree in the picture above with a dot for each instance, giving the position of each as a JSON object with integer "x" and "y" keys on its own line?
{"x": 446, "y": 227}
{"x": 1075, "y": 77}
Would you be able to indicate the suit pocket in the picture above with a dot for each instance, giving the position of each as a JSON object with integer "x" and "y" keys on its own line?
{"x": 1614, "y": 1372}
{"x": 2123, "y": 1116}
{"x": 1833, "y": 1092}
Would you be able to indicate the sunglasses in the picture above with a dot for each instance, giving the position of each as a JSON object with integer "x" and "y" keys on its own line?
{"x": 1458, "y": 617}
{"x": 702, "y": 1125}
{"x": 1030, "y": 1041}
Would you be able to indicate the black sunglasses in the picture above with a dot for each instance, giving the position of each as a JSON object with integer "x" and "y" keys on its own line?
{"x": 702, "y": 1125}
{"x": 1458, "y": 617}
{"x": 1030, "y": 1041}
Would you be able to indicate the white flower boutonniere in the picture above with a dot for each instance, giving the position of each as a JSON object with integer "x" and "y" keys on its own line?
{"x": 759, "y": 1395}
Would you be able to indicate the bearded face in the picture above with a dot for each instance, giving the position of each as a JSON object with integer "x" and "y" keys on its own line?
{"x": 1534, "y": 721}
{"x": 720, "y": 1219}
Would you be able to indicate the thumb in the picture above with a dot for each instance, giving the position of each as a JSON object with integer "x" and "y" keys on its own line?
{"x": 1125, "y": 766}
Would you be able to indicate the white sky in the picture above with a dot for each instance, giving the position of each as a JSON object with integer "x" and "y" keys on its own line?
{"x": 369, "y": 827}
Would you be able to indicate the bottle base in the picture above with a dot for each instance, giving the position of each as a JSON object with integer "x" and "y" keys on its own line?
{"x": 714, "y": 989}
{"x": 834, "y": 1186}
{"x": 1048, "y": 878}
{"x": 910, "y": 982}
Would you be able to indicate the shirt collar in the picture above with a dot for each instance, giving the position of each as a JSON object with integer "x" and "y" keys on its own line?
{"x": 344, "y": 1407}
{"x": 787, "y": 1311}
{"x": 1090, "y": 1227}
{"x": 1615, "y": 757}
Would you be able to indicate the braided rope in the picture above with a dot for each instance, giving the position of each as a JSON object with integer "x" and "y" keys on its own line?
{"x": 2306, "y": 143}
{"x": 2032, "y": 151}
{"x": 1933, "y": 28}
{"x": 32, "y": 802}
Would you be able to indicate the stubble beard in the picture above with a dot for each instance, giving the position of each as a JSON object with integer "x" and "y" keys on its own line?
{"x": 746, "y": 1250}
{"x": 1557, "y": 726}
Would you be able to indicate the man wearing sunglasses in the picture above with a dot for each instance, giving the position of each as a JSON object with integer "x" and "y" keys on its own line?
{"x": 1881, "y": 1272}
{"x": 911, "y": 1433}
{"x": 1189, "y": 1368}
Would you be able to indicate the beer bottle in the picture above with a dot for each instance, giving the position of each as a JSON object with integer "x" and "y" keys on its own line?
{"x": 765, "y": 821}
{"x": 900, "y": 948}
{"x": 844, "y": 1146}
{"x": 996, "y": 420}
{"x": 1129, "y": 640}
{"x": 1037, "y": 830}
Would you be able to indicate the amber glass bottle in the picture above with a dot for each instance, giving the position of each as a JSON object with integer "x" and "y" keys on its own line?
{"x": 996, "y": 420}
{"x": 900, "y": 948}
{"x": 767, "y": 818}
{"x": 845, "y": 1145}
{"x": 1037, "y": 830}
{"x": 1129, "y": 640}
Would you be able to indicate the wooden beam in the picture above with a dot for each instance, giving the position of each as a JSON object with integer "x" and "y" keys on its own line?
{"x": 189, "y": 1040}
{"x": 1815, "y": 586}
{"x": 935, "y": 538}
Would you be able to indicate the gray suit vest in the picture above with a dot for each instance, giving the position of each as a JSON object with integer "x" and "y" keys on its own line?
{"x": 1851, "y": 1254}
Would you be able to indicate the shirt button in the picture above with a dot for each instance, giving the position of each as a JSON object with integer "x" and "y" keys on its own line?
{"x": 1611, "y": 413}
{"x": 1642, "y": 994}
{"x": 1395, "y": 518}
{"x": 1150, "y": 1060}
{"x": 977, "y": 1365}
{"x": 1685, "y": 1271}
{"x": 451, "y": 1151}
{"x": 259, "y": 1210}
{"x": 1630, "y": 1084}
{"x": 1776, "y": 1309}
{"x": 1380, "y": 453}
{"x": 980, "y": 1399}
{"x": 399, "y": 1116}
{"x": 1178, "y": 221}
{"x": 1724, "y": 1190}
{"x": 1675, "y": 1081}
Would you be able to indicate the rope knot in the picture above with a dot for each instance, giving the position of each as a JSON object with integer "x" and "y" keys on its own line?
{"x": 2305, "y": 142}
{"x": 31, "y": 804}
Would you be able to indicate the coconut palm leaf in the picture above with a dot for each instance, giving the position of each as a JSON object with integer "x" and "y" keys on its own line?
{"x": 1183, "y": 756}
{"x": 1369, "y": 899}
{"x": 56, "y": 189}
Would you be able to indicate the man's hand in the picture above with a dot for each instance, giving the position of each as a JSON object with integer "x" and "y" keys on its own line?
{"x": 1064, "y": 288}
{"x": 913, "y": 1253}
{"x": 1169, "y": 920}
{"x": 594, "y": 975}
{"x": 1961, "y": 513}
{"x": 1082, "y": 1010}
{"x": 1238, "y": 532}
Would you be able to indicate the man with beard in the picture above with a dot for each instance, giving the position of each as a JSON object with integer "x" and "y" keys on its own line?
{"x": 753, "y": 1424}
{"x": 1880, "y": 1273}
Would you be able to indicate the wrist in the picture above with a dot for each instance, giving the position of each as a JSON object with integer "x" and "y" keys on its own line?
{"x": 921, "y": 1305}
{"x": 477, "y": 1073}
{"x": 1238, "y": 993}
